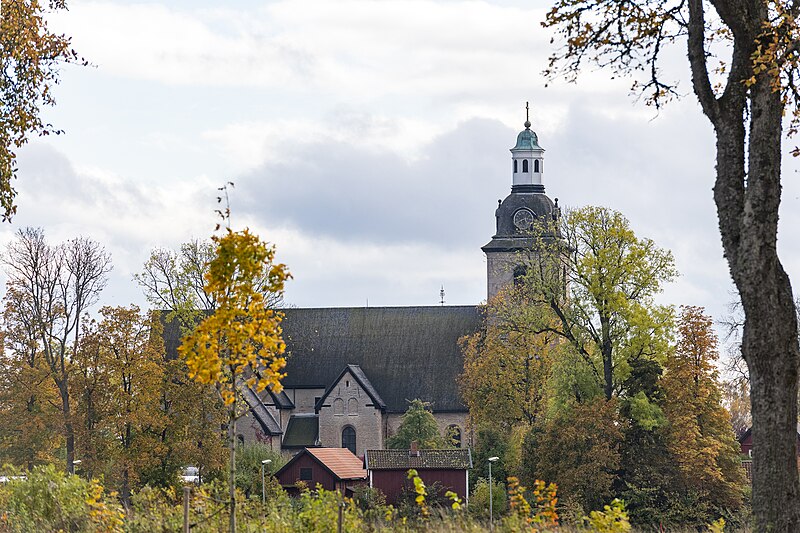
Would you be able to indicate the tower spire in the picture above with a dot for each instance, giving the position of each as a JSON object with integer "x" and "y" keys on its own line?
{"x": 527, "y": 117}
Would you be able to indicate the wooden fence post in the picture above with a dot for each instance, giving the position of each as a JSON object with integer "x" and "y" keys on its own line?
{"x": 186, "y": 492}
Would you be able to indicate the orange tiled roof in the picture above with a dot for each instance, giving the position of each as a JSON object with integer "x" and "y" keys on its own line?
{"x": 340, "y": 461}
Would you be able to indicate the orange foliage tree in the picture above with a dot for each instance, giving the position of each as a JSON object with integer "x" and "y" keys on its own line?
{"x": 701, "y": 439}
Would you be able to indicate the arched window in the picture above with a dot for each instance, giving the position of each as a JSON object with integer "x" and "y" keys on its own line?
{"x": 352, "y": 406}
{"x": 338, "y": 406}
{"x": 519, "y": 274}
{"x": 454, "y": 435}
{"x": 515, "y": 166}
{"x": 536, "y": 165}
{"x": 524, "y": 165}
{"x": 349, "y": 438}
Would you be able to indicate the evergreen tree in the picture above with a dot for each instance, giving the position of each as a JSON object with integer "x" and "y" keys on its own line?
{"x": 418, "y": 424}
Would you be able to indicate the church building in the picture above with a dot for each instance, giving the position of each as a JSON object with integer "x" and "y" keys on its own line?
{"x": 351, "y": 372}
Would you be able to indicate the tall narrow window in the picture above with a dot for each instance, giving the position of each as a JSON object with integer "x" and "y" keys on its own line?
{"x": 524, "y": 165}
{"x": 536, "y": 165}
{"x": 454, "y": 435}
{"x": 515, "y": 166}
{"x": 520, "y": 272}
{"x": 349, "y": 438}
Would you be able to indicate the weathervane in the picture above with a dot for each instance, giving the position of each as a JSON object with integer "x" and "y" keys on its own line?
{"x": 441, "y": 295}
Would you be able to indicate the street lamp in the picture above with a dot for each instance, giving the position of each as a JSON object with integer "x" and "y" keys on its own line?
{"x": 491, "y": 513}
{"x": 264, "y": 463}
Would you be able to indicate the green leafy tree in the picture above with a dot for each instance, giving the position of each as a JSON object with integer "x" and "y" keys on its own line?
{"x": 417, "y": 424}
{"x": 248, "y": 466}
{"x": 240, "y": 343}
{"x": 490, "y": 441}
{"x": 594, "y": 288}
{"x": 30, "y": 60}
{"x": 746, "y": 100}
{"x": 647, "y": 475}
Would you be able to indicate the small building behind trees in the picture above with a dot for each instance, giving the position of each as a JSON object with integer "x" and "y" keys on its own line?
{"x": 330, "y": 468}
{"x": 445, "y": 469}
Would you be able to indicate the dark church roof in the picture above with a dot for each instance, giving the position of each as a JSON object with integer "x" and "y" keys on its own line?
{"x": 406, "y": 352}
{"x": 268, "y": 423}
{"x": 302, "y": 431}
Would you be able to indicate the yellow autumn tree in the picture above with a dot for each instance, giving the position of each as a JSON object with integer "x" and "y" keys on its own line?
{"x": 125, "y": 351}
{"x": 239, "y": 344}
{"x": 507, "y": 365}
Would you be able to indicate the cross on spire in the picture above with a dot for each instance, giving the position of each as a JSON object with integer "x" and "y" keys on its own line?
{"x": 527, "y": 116}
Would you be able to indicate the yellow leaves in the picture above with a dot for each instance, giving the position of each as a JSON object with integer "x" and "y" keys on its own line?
{"x": 242, "y": 337}
{"x": 419, "y": 489}
{"x": 107, "y": 518}
{"x": 545, "y": 502}
{"x": 456, "y": 505}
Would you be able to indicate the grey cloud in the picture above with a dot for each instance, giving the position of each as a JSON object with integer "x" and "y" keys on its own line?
{"x": 355, "y": 193}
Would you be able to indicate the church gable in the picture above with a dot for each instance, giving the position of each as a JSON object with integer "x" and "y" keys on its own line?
{"x": 351, "y": 413}
{"x": 344, "y": 398}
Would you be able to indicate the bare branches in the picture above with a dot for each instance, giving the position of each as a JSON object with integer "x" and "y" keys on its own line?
{"x": 49, "y": 288}
{"x": 627, "y": 37}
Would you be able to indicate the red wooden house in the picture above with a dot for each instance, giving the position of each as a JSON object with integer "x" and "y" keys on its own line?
{"x": 746, "y": 442}
{"x": 388, "y": 470}
{"x": 331, "y": 468}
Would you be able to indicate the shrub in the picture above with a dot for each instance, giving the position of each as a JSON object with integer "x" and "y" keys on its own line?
{"x": 248, "y": 467}
{"x": 50, "y": 500}
{"x": 612, "y": 519}
{"x": 319, "y": 511}
{"x": 479, "y": 500}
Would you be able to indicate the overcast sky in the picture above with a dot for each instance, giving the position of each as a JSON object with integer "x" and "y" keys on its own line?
{"x": 368, "y": 140}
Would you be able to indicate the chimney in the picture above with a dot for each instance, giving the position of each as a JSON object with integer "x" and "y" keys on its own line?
{"x": 413, "y": 452}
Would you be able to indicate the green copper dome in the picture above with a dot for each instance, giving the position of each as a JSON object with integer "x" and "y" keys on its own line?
{"x": 527, "y": 140}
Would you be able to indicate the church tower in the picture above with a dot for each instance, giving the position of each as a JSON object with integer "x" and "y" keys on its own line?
{"x": 521, "y": 214}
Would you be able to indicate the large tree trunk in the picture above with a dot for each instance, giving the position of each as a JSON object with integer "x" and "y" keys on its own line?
{"x": 747, "y": 207}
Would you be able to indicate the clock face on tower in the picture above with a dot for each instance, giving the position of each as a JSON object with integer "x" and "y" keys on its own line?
{"x": 523, "y": 219}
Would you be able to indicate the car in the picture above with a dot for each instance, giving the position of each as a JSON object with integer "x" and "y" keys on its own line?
{"x": 191, "y": 474}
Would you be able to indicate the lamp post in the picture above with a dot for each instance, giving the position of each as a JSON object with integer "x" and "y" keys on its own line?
{"x": 491, "y": 511}
{"x": 264, "y": 463}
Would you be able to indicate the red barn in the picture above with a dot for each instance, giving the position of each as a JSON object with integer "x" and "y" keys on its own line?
{"x": 746, "y": 442}
{"x": 331, "y": 468}
{"x": 388, "y": 470}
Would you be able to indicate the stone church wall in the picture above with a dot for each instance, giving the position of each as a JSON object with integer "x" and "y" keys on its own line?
{"x": 248, "y": 430}
{"x": 346, "y": 405}
{"x": 500, "y": 270}
{"x": 443, "y": 420}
